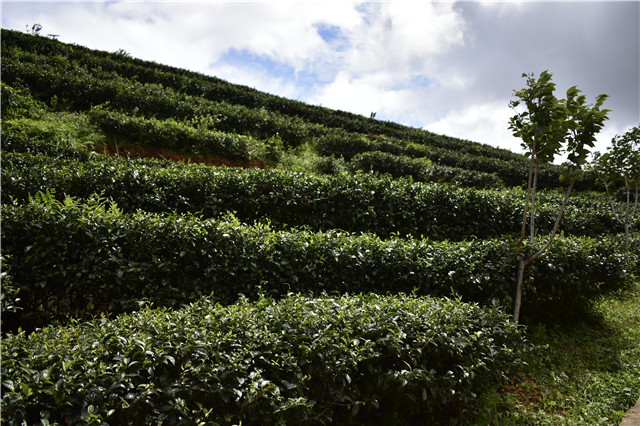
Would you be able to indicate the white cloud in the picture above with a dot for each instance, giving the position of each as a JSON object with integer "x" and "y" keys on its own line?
{"x": 257, "y": 79}
{"x": 391, "y": 56}
{"x": 401, "y": 39}
{"x": 481, "y": 122}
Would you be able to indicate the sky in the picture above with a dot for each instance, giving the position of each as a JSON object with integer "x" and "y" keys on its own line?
{"x": 448, "y": 67}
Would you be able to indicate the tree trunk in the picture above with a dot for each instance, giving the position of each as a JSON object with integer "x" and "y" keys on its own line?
{"x": 532, "y": 220}
{"x": 626, "y": 236}
{"x": 518, "y": 297}
{"x": 523, "y": 263}
{"x": 526, "y": 206}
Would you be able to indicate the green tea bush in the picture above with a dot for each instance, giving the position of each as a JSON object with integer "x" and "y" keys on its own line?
{"x": 214, "y": 89}
{"x": 171, "y": 134}
{"x": 342, "y": 360}
{"x": 347, "y": 144}
{"x": 17, "y": 102}
{"x": 355, "y": 203}
{"x": 57, "y": 76}
{"x": 512, "y": 171}
{"x": 76, "y": 260}
{"x": 49, "y": 76}
{"x": 87, "y": 78}
{"x": 9, "y": 300}
{"x": 23, "y": 143}
{"x": 421, "y": 170}
{"x": 70, "y": 129}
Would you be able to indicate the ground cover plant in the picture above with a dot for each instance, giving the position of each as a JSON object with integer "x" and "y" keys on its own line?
{"x": 583, "y": 372}
{"x": 298, "y": 287}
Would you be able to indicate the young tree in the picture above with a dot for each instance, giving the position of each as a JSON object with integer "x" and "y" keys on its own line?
{"x": 619, "y": 168}
{"x": 547, "y": 127}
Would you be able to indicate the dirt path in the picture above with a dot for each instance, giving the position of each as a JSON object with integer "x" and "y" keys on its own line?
{"x": 633, "y": 417}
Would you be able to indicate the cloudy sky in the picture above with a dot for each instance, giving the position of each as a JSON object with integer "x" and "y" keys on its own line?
{"x": 449, "y": 67}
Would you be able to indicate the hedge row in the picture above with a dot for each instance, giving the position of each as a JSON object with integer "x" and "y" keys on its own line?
{"x": 56, "y": 76}
{"x": 16, "y": 140}
{"x": 364, "y": 359}
{"x": 175, "y": 135}
{"x": 215, "y": 89}
{"x": 83, "y": 88}
{"x": 18, "y": 103}
{"x": 75, "y": 260}
{"x": 422, "y": 170}
{"x": 355, "y": 203}
{"x": 512, "y": 172}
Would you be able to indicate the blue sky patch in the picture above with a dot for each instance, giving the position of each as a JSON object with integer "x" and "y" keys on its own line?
{"x": 332, "y": 35}
{"x": 244, "y": 58}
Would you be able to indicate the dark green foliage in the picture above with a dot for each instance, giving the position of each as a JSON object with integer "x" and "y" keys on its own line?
{"x": 214, "y": 89}
{"x": 71, "y": 259}
{"x": 85, "y": 84}
{"x": 422, "y": 170}
{"x": 83, "y": 88}
{"x": 18, "y": 102}
{"x": 171, "y": 134}
{"x": 22, "y": 143}
{"x": 9, "y": 300}
{"x": 511, "y": 171}
{"x": 365, "y": 359}
{"x": 355, "y": 203}
{"x": 347, "y": 145}
{"x": 371, "y": 359}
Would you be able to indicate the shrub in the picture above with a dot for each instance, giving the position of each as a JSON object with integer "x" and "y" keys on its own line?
{"x": 9, "y": 300}
{"x": 70, "y": 129}
{"x": 214, "y": 89}
{"x": 355, "y": 203}
{"x": 421, "y": 170}
{"x": 18, "y": 103}
{"x": 76, "y": 260}
{"x": 82, "y": 88}
{"x": 357, "y": 359}
{"x": 180, "y": 136}
{"x": 24, "y": 143}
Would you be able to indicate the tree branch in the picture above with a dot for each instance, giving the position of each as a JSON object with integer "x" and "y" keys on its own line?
{"x": 526, "y": 207}
{"x": 613, "y": 209}
{"x": 555, "y": 226}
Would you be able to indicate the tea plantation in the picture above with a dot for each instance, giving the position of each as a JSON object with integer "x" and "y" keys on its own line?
{"x": 177, "y": 249}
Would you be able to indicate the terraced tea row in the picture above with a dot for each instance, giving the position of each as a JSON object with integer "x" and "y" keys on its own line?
{"x": 351, "y": 202}
{"x": 71, "y": 259}
{"x": 80, "y": 88}
{"x": 365, "y": 359}
{"x": 214, "y": 89}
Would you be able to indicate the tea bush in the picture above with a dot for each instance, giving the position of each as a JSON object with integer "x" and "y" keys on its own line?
{"x": 71, "y": 80}
{"x": 49, "y": 77}
{"x": 82, "y": 88}
{"x": 71, "y": 259}
{"x": 348, "y": 360}
{"x": 214, "y": 89}
{"x": 422, "y": 170}
{"x": 171, "y": 134}
{"x": 355, "y": 203}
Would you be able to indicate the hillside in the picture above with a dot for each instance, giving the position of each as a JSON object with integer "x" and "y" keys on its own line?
{"x": 180, "y": 249}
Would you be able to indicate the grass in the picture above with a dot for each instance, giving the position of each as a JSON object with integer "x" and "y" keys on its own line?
{"x": 583, "y": 371}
